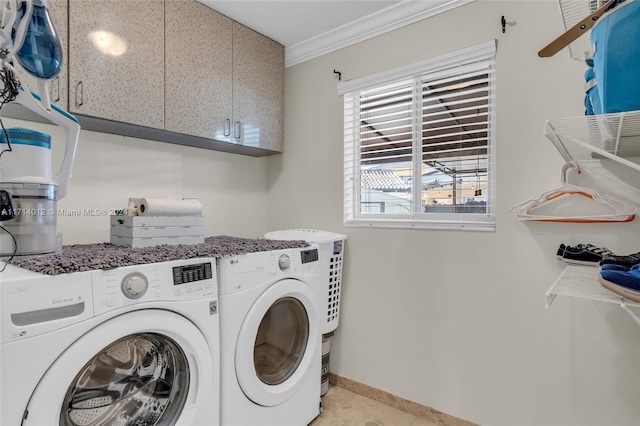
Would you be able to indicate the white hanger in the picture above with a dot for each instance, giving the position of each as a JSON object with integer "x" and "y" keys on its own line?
{"x": 616, "y": 210}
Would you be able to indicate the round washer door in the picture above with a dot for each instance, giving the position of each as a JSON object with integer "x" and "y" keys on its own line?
{"x": 277, "y": 342}
{"x": 144, "y": 367}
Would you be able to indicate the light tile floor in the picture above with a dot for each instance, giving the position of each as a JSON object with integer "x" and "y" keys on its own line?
{"x": 345, "y": 408}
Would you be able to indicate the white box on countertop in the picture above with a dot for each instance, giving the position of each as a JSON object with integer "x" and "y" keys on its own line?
{"x": 156, "y": 231}
{"x": 149, "y": 231}
{"x": 158, "y": 220}
{"x": 155, "y": 241}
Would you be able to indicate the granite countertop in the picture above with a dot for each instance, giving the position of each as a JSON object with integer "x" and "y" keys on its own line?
{"x": 86, "y": 257}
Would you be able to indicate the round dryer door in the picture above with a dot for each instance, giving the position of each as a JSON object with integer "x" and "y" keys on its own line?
{"x": 144, "y": 377}
{"x": 276, "y": 343}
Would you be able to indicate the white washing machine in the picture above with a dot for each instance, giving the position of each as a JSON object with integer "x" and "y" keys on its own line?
{"x": 133, "y": 345}
{"x": 270, "y": 338}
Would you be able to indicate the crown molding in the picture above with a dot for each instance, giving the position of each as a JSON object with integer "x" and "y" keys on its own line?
{"x": 388, "y": 19}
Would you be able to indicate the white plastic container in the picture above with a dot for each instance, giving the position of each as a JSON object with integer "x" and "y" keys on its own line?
{"x": 331, "y": 252}
{"x": 29, "y": 159}
{"x": 326, "y": 353}
{"x": 26, "y": 174}
{"x": 34, "y": 224}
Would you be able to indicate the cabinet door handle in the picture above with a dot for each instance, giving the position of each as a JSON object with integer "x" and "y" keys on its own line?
{"x": 81, "y": 90}
{"x": 57, "y": 97}
{"x": 227, "y": 127}
{"x": 236, "y": 130}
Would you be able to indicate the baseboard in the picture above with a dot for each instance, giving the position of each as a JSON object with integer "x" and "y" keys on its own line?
{"x": 430, "y": 414}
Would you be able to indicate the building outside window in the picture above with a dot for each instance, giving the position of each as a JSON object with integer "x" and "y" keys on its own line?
{"x": 420, "y": 144}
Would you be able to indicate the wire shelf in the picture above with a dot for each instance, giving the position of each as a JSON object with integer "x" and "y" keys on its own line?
{"x": 573, "y": 11}
{"x": 582, "y": 282}
{"x": 587, "y": 140}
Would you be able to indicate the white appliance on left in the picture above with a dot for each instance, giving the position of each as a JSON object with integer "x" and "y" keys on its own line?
{"x": 29, "y": 192}
{"x": 131, "y": 345}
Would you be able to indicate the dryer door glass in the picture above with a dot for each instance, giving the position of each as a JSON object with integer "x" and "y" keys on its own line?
{"x": 281, "y": 341}
{"x": 139, "y": 379}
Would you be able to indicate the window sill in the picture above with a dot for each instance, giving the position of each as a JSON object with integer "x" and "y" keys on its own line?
{"x": 417, "y": 224}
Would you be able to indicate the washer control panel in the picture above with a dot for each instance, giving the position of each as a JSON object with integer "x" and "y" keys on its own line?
{"x": 192, "y": 279}
{"x": 190, "y": 273}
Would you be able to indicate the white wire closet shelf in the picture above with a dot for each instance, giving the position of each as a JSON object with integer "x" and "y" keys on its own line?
{"x": 573, "y": 11}
{"x": 582, "y": 282}
{"x": 584, "y": 142}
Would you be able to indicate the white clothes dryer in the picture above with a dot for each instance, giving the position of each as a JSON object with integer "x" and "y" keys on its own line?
{"x": 270, "y": 338}
{"x": 136, "y": 345}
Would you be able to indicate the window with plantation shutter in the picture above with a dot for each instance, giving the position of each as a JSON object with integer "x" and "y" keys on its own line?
{"x": 420, "y": 144}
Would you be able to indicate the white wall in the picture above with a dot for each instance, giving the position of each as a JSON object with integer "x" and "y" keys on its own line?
{"x": 109, "y": 169}
{"x": 456, "y": 320}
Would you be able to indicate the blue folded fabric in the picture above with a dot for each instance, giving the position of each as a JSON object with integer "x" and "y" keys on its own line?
{"x": 613, "y": 267}
{"x": 627, "y": 278}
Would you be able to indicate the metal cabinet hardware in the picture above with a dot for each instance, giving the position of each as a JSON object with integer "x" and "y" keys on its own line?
{"x": 56, "y": 98}
{"x": 79, "y": 89}
{"x": 227, "y": 127}
{"x": 236, "y": 130}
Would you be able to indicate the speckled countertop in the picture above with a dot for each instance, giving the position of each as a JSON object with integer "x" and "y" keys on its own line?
{"x": 86, "y": 257}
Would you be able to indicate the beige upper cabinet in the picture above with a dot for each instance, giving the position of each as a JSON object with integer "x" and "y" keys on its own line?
{"x": 177, "y": 67}
{"x": 258, "y": 90}
{"x": 198, "y": 79}
{"x": 58, "y": 11}
{"x": 116, "y": 60}
{"x": 224, "y": 81}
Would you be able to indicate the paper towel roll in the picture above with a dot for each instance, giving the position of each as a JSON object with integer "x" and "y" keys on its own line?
{"x": 166, "y": 207}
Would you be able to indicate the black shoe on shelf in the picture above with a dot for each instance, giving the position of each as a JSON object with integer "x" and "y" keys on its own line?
{"x": 575, "y": 249}
{"x": 583, "y": 254}
{"x": 628, "y": 260}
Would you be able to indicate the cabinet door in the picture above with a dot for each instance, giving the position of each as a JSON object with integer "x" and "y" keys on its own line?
{"x": 58, "y": 11}
{"x": 258, "y": 89}
{"x": 198, "y": 70}
{"x": 116, "y": 60}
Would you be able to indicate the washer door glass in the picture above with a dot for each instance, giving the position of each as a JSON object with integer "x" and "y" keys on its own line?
{"x": 139, "y": 379}
{"x": 281, "y": 341}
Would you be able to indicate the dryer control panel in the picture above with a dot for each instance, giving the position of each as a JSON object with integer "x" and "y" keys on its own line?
{"x": 243, "y": 272}
{"x": 309, "y": 255}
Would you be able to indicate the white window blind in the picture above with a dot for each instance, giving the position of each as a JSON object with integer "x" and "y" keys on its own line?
{"x": 420, "y": 144}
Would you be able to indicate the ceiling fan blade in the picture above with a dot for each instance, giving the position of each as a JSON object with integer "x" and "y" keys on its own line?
{"x": 574, "y": 32}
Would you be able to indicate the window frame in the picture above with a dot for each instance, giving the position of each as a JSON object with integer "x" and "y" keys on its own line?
{"x": 414, "y": 74}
